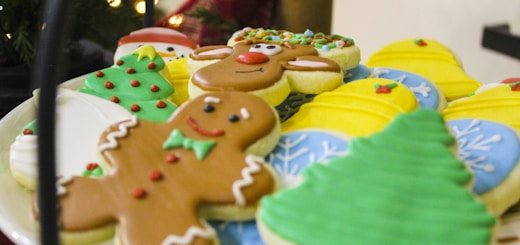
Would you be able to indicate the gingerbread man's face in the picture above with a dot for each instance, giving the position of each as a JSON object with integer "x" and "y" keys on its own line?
{"x": 163, "y": 173}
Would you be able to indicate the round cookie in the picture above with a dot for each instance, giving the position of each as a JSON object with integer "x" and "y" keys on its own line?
{"x": 384, "y": 186}
{"x": 428, "y": 95}
{"x": 494, "y": 102}
{"x": 428, "y": 58}
{"x": 206, "y": 161}
{"x": 358, "y": 108}
{"x": 136, "y": 82}
{"x": 80, "y": 121}
{"x": 492, "y": 151}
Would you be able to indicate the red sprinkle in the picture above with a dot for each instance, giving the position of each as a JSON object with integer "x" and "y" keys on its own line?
{"x": 109, "y": 85}
{"x": 160, "y": 104}
{"x": 151, "y": 65}
{"x": 135, "y": 107}
{"x": 154, "y": 88}
{"x": 155, "y": 175}
{"x": 99, "y": 74}
{"x": 120, "y": 62}
{"x": 91, "y": 166}
{"x": 172, "y": 158}
{"x": 27, "y": 131}
{"x": 135, "y": 83}
{"x": 130, "y": 70}
{"x": 114, "y": 99}
{"x": 138, "y": 193}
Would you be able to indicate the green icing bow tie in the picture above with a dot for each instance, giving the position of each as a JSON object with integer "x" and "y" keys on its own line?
{"x": 200, "y": 147}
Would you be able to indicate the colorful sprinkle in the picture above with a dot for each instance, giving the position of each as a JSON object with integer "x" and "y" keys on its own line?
{"x": 151, "y": 65}
{"x": 114, "y": 99}
{"x": 135, "y": 83}
{"x": 130, "y": 70}
{"x": 27, "y": 132}
{"x": 160, "y": 104}
{"x": 100, "y": 74}
{"x": 138, "y": 193}
{"x": 155, "y": 175}
{"x": 91, "y": 166}
{"x": 172, "y": 158}
{"x": 109, "y": 85}
{"x": 384, "y": 89}
{"x": 154, "y": 88}
{"x": 120, "y": 62}
{"x": 135, "y": 107}
{"x": 420, "y": 43}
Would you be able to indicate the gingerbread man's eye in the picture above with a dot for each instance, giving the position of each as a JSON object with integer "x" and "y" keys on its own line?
{"x": 209, "y": 108}
{"x": 233, "y": 118}
{"x": 170, "y": 49}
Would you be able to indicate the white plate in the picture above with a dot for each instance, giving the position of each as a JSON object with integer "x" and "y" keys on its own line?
{"x": 16, "y": 220}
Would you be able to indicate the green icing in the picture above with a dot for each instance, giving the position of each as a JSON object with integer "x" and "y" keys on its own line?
{"x": 141, "y": 95}
{"x": 32, "y": 125}
{"x": 400, "y": 186}
{"x": 200, "y": 147}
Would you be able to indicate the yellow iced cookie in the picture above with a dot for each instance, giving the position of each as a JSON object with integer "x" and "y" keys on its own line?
{"x": 430, "y": 59}
{"x": 358, "y": 108}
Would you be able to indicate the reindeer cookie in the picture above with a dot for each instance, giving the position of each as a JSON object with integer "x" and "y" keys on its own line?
{"x": 266, "y": 69}
{"x": 205, "y": 162}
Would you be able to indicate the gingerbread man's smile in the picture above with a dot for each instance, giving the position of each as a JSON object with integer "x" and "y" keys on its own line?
{"x": 212, "y": 133}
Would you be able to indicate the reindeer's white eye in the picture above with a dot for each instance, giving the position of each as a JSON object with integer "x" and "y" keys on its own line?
{"x": 266, "y": 48}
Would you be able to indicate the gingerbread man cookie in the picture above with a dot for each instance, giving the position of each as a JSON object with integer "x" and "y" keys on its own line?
{"x": 205, "y": 162}
{"x": 268, "y": 70}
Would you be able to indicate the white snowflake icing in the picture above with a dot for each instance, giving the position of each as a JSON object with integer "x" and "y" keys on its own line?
{"x": 283, "y": 160}
{"x": 479, "y": 143}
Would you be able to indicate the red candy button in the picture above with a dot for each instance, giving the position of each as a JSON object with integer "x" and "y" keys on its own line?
{"x": 252, "y": 58}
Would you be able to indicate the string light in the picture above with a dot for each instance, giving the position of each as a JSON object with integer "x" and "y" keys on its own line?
{"x": 8, "y": 35}
{"x": 140, "y": 6}
{"x": 176, "y": 20}
{"x": 114, "y": 3}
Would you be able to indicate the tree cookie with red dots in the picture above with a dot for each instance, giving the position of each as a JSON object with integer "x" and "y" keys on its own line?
{"x": 137, "y": 81}
{"x": 206, "y": 161}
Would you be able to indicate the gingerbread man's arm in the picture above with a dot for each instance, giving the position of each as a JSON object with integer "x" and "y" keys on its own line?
{"x": 86, "y": 203}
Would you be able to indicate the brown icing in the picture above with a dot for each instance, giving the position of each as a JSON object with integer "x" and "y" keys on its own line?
{"x": 230, "y": 75}
{"x": 149, "y": 209}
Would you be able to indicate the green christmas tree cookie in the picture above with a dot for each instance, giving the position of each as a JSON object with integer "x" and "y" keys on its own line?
{"x": 403, "y": 185}
{"x": 137, "y": 83}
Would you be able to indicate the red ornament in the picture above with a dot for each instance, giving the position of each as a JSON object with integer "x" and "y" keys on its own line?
{"x": 138, "y": 193}
{"x": 27, "y": 132}
{"x": 154, "y": 88}
{"x": 172, "y": 158}
{"x": 130, "y": 70}
{"x": 151, "y": 65}
{"x": 99, "y": 74}
{"x": 109, "y": 85}
{"x": 160, "y": 104}
{"x": 114, "y": 99}
{"x": 155, "y": 175}
{"x": 91, "y": 166}
{"x": 135, "y": 83}
{"x": 135, "y": 107}
{"x": 120, "y": 62}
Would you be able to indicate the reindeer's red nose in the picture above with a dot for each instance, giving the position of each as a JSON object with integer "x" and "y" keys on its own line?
{"x": 252, "y": 58}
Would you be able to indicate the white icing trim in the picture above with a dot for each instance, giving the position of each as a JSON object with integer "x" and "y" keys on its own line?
{"x": 188, "y": 237}
{"x": 122, "y": 132}
{"x": 253, "y": 166}
{"x": 245, "y": 113}
{"x": 217, "y": 51}
{"x": 212, "y": 99}
{"x": 308, "y": 63}
{"x": 60, "y": 185}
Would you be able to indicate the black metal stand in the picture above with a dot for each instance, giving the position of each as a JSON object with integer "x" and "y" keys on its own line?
{"x": 500, "y": 39}
{"x": 49, "y": 70}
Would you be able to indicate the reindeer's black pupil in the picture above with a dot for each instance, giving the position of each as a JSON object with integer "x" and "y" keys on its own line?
{"x": 270, "y": 47}
{"x": 257, "y": 46}
{"x": 234, "y": 118}
{"x": 170, "y": 49}
{"x": 209, "y": 108}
